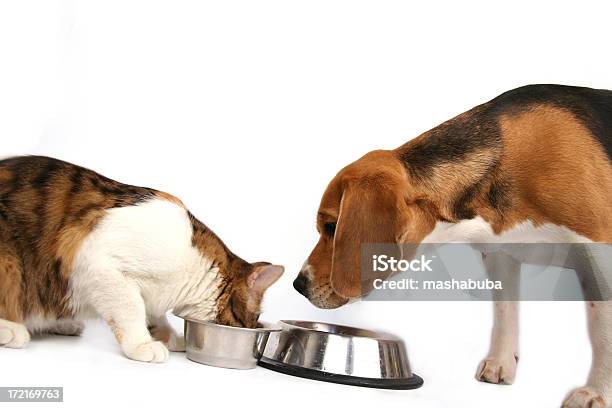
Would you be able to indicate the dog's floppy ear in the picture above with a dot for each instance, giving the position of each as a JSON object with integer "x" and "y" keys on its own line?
{"x": 368, "y": 214}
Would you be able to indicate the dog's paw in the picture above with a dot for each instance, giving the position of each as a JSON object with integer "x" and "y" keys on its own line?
{"x": 153, "y": 352}
{"x": 584, "y": 397}
{"x": 14, "y": 335}
{"x": 497, "y": 370}
{"x": 68, "y": 328}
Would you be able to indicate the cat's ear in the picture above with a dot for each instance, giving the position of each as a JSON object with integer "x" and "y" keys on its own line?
{"x": 263, "y": 276}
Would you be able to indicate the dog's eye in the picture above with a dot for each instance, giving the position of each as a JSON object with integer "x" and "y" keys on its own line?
{"x": 330, "y": 228}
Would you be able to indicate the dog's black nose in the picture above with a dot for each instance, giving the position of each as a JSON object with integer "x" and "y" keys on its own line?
{"x": 300, "y": 284}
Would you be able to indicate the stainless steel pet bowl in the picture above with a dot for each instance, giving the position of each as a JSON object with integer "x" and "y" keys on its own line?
{"x": 340, "y": 354}
{"x": 225, "y": 346}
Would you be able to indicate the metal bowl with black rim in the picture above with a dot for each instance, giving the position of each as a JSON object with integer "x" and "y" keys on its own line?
{"x": 225, "y": 346}
{"x": 340, "y": 354}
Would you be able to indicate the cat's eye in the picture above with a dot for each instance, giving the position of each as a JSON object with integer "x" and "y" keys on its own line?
{"x": 329, "y": 228}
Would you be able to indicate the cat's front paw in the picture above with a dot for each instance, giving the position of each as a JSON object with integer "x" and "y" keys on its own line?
{"x": 168, "y": 336}
{"x": 153, "y": 352}
{"x": 176, "y": 343}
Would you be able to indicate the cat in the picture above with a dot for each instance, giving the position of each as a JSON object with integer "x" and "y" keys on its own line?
{"x": 75, "y": 244}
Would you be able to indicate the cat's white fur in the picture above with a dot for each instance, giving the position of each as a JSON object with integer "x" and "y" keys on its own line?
{"x": 500, "y": 364}
{"x": 135, "y": 266}
{"x": 150, "y": 246}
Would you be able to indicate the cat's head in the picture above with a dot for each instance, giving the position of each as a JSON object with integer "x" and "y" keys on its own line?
{"x": 240, "y": 304}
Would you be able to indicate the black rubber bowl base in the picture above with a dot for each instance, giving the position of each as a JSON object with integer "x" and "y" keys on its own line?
{"x": 388, "y": 384}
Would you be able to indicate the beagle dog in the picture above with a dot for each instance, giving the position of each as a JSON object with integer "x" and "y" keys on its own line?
{"x": 532, "y": 165}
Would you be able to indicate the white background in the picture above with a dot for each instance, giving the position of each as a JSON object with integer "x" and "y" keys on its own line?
{"x": 246, "y": 110}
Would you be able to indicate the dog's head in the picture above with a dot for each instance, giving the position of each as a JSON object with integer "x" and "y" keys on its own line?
{"x": 369, "y": 201}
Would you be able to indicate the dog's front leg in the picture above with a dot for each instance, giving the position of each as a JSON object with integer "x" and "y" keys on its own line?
{"x": 499, "y": 367}
{"x": 598, "y": 391}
